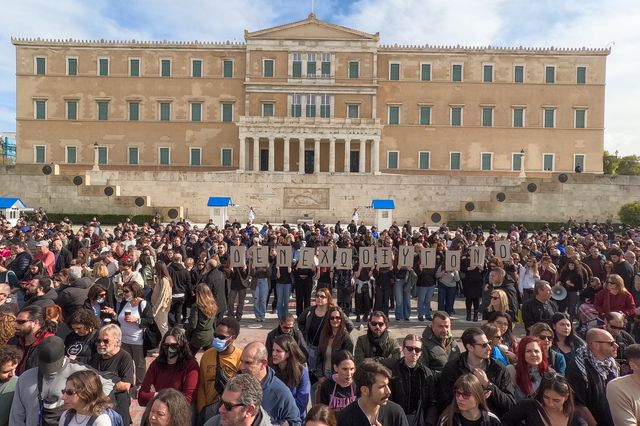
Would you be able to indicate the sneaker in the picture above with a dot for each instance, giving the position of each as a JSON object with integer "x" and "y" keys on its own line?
{"x": 429, "y": 318}
{"x": 420, "y": 318}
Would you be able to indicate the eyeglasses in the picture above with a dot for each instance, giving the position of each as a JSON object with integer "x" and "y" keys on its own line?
{"x": 377, "y": 324}
{"x": 495, "y": 297}
{"x": 462, "y": 395}
{"x": 544, "y": 337}
{"x": 229, "y": 405}
{"x": 22, "y": 321}
{"x": 321, "y": 296}
{"x": 336, "y": 318}
{"x": 105, "y": 341}
{"x": 413, "y": 349}
{"x": 126, "y": 291}
{"x": 220, "y": 336}
{"x": 171, "y": 345}
{"x": 608, "y": 342}
{"x": 68, "y": 392}
{"x": 483, "y": 344}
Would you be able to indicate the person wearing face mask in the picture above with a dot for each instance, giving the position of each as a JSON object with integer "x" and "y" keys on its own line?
{"x": 217, "y": 365}
{"x": 97, "y": 302}
{"x": 175, "y": 367}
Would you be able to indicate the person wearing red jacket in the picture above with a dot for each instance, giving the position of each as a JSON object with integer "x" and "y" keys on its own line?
{"x": 615, "y": 298}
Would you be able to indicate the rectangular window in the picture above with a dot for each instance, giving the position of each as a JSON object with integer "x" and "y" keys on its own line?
{"x": 41, "y": 66}
{"x": 132, "y": 155}
{"x": 425, "y": 72}
{"x": 425, "y": 115}
{"x": 580, "y": 118}
{"x": 518, "y": 117}
{"x": 296, "y": 106}
{"x": 549, "y": 74}
{"x": 394, "y": 114}
{"x": 578, "y": 162}
{"x": 226, "y": 157}
{"x": 581, "y": 75}
{"x": 424, "y": 160}
{"x": 549, "y": 118}
{"x": 454, "y": 161}
{"x": 487, "y": 73}
{"x": 71, "y": 155}
{"x": 39, "y": 154}
{"x": 487, "y": 117}
{"x": 394, "y": 71}
{"x": 134, "y": 67}
{"x": 547, "y": 162}
{"x": 196, "y": 111}
{"x": 165, "y": 111}
{"x": 40, "y": 112}
{"x": 165, "y": 156}
{"x": 325, "y": 66}
{"x": 103, "y": 67}
{"x": 72, "y": 110}
{"x": 353, "y": 111}
{"x": 456, "y": 72}
{"x": 134, "y": 111}
{"x": 392, "y": 159}
{"x": 518, "y": 74}
{"x": 354, "y": 69}
{"x": 165, "y": 67}
{"x": 227, "y": 112}
{"x": 311, "y": 106}
{"x": 325, "y": 106}
{"x": 486, "y": 162}
{"x": 196, "y": 68}
{"x": 103, "y": 155}
{"x": 72, "y": 66}
{"x": 456, "y": 116}
{"x": 267, "y": 68}
{"x": 267, "y": 109}
{"x": 516, "y": 161}
{"x": 227, "y": 66}
{"x": 195, "y": 156}
{"x": 103, "y": 110}
{"x": 296, "y": 66}
{"x": 311, "y": 64}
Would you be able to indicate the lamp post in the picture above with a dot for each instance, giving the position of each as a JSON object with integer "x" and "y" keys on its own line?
{"x": 96, "y": 168}
{"x": 522, "y": 173}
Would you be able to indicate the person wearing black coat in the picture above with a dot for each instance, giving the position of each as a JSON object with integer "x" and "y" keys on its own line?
{"x": 472, "y": 286}
{"x": 20, "y": 264}
{"x": 62, "y": 255}
{"x": 71, "y": 297}
{"x": 216, "y": 279}
{"x": 181, "y": 280}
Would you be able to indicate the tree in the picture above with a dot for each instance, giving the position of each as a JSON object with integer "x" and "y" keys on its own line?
{"x": 629, "y": 165}
{"x": 630, "y": 213}
{"x": 610, "y": 163}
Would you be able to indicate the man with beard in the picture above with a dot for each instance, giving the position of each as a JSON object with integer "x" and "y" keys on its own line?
{"x": 9, "y": 358}
{"x": 40, "y": 292}
{"x": 286, "y": 325}
{"x": 241, "y": 404}
{"x": 31, "y": 330}
{"x": 377, "y": 343}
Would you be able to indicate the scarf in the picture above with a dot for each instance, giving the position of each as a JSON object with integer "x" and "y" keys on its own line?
{"x": 604, "y": 368}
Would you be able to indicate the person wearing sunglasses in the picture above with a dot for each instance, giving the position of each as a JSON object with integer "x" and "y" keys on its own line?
{"x": 31, "y": 328}
{"x": 592, "y": 368}
{"x": 614, "y": 323}
{"x": 477, "y": 360}
{"x": 334, "y": 337}
{"x": 86, "y": 402}
{"x": 167, "y": 408}
{"x": 413, "y": 385}
{"x": 175, "y": 367}
{"x": 468, "y": 405}
{"x": 241, "y": 404}
{"x": 377, "y": 344}
{"x": 622, "y": 393}
{"x": 544, "y": 333}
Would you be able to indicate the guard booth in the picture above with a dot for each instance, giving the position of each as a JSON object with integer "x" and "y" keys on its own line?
{"x": 11, "y": 208}
{"x": 383, "y": 213}
{"x": 218, "y": 209}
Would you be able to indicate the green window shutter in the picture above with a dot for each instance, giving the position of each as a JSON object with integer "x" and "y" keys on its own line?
{"x": 311, "y": 110}
{"x": 268, "y": 68}
{"x": 196, "y": 68}
{"x": 547, "y": 163}
{"x": 164, "y": 156}
{"x": 487, "y": 117}
{"x": 311, "y": 68}
{"x": 352, "y": 111}
{"x": 72, "y": 65}
{"x": 267, "y": 110}
{"x": 325, "y": 69}
{"x": 518, "y": 74}
{"x": 134, "y": 67}
{"x": 425, "y": 72}
{"x": 425, "y": 115}
{"x": 104, "y": 66}
{"x": 296, "y": 110}
{"x": 456, "y": 72}
{"x": 195, "y": 157}
{"x": 297, "y": 69}
{"x": 392, "y": 160}
{"x": 134, "y": 111}
{"x": 486, "y": 161}
{"x": 226, "y": 157}
{"x": 517, "y": 162}
{"x": 40, "y": 154}
{"x": 133, "y": 155}
{"x": 228, "y": 68}
{"x": 41, "y": 110}
{"x": 456, "y": 116}
{"x": 423, "y": 160}
{"x": 354, "y": 69}
{"x": 518, "y": 117}
{"x": 165, "y": 111}
{"x": 487, "y": 74}
{"x": 550, "y": 75}
{"x": 580, "y": 118}
{"x": 72, "y": 110}
{"x": 394, "y": 72}
{"x": 548, "y": 118}
{"x": 71, "y": 155}
{"x": 394, "y": 115}
{"x": 165, "y": 68}
{"x": 325, "y": 111}
{"x": 103, "y": 155}
{"x": 454, "y": 160}
{"x": 196, "y": 111}
{"x": 103, "y": 110}
{"x": 578, "y": 161}
{"x": 227, "y": 113}
{"x": 41, "y": 66}
{"x": 581, "y": 75}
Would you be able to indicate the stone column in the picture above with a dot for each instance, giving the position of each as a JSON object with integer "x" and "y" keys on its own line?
{"x": 347, "y": 155}
{"x": 242, "y": 161}
{"x": 301, "y": 142}
{"x": 316, "y": 156}
{"x": 272, "y": 153}
{"x": 332, "y": 155}
{"x": 256, "y": 153}
{"x": 375, "y": 156}
{"x": 285, "y": 157}
{"x": 363, "y": 152}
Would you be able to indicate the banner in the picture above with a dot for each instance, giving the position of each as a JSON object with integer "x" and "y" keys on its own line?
{"x": 405, "y": 256}
{"x": 325, "y": 256}
{"x": 344, "y": 258}
{"x": 306, "y": 258}
{"x": 384, "y": 257}
{"x": 237, "y": 256}
{"x": 452, "y": 260}
{"x": 476, "y": 256}
{"x": 428, "y": 258}
{"x": 283, "y": 256}
{"x": 367, "y": 257}
{"x": 503, "y": 250}
{"x": 259, "y": 256}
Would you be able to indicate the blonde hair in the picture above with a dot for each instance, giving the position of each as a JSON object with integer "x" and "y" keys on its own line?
{"x": 617, "y": 280}
{"x": 504, "y": 301}
{"x": 206, "y": 301}
{"x": 100, "y": 270}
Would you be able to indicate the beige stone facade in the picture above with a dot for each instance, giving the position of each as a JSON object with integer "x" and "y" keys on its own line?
{"x": 309, "y": 97}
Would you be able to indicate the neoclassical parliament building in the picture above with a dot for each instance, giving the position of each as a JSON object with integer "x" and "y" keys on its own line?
{"x": 309, "y": 97}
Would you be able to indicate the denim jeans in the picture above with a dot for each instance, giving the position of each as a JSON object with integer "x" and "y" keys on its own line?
{"x": 403, "y": 301}
{"x": 283, "y": 291}
{"x": 260, "y": 297}
{"x": 446, "y": 297}
{"x": 425, "y": 294}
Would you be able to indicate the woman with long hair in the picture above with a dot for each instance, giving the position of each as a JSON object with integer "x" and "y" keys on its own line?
{"x": 53, "y": 313}
{"x": 531, "y": 365}
{"x": 321, "y": 415}
{"x": 311, "y": 321}
{"x": 544, "y": 333}
{"x": 175, "y": 367}
{"x": 101, "y": 276}
{"x": 571, "y": 278}
{"x": 80, "y": 344}
{"x": 334, "y": 337}
{"x": 161, "y": 296}
{"x": 97, "y": 302}
{"x": 528, "y": 274}
{"x": 288, "y": 365}
{"x": 552, "y": 405}
{"x": 167, "y": 408}
{"x": 85, "y": 401}
{"x": 469, "y": 405}
{"x": 615, "y": 298}
{"x": 202, "y": 319}
{"x": 565, "y": 340}
{"x": 339, "y": 390}
{"x": 472, "y": 285}
{"x": 499, "y": 302}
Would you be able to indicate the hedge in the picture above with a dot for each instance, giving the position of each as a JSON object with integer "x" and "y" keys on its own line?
{"x": 506, "y": 225}
{"x": 104, "y": 219}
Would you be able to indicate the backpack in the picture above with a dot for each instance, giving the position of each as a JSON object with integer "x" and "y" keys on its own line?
{"x": 114, "y": 417}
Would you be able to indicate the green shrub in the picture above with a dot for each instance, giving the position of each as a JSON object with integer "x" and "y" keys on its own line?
{"x": 104, "y": 219}
{"x": 630, "y": 213}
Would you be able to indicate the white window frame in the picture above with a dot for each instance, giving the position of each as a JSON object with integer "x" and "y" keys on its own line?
{"x": 66, "y": 64}
{"x": 129, "y": 66}
{"x": 311, "y": 57}
{"x": 35, "y": 154}
{"x": 233, "y": 110}
{"x": 35, "y": 64}
{"x": 399, "y": 70}
{"x": 98, "y": 102}
{"x": 160, "y": 109}
{"x": 584, "y": 161}
{"x": 428, "y": 159}
{"x": 160, "y": 148}
{"x": 553, "y": 161}
{"x": 273, "y": 106}
{"x": 451, "y": 107}
{"x": 555, "y": 73}
{"x": 191, "y": 150}
{"x": 493, "y": 72}
{"x": 233, "y": 66}
{"x": 160, "y": 67}
{"x": 35, "y": 109}
{"x": 352, "y": 104}
{"x": 450, "y": 158}
{"x": 430, "y": 71}
{"x": 66, "y": 109}
{"x": 106, "y": 156}
{"x": 98, "y": 59}
{"x": 491, "y": 163}
{"x": 555, "y": 118}
{"x": 264, "y": 68}
{"x": 493, "y": 110}
{"x": 586, "y": 73}
{"x": 524, "y": 73}
{"x": 349, "y": 69}
{"x": 420, "y": 106}
{"x": 201, "y": 67}
{"x": 222, "y": 157}
{"x": 399, "y": 106}
{"x": 513, "y": 157}
{"x": 461, "y": 72}
{"x": 513, "y": 116}
{"x": 66, "y": 153}
{"x": 397, "y": 159}
{"x": 136, "y": 101}
{"x": 575, "y": 117}
{"x": 191, "y": 103}
{"x": 324, "y": 55}
{"x": 137, "y": 155}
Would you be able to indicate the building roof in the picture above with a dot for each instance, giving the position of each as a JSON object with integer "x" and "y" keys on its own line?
{"x": 219, "y": 202}
{"x": 383, "y": 204}
{"x": 311, "y": 28}
{"x": 8, "y": 202}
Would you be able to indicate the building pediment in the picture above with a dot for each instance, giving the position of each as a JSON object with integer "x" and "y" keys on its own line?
{"x": 310, "y": 29}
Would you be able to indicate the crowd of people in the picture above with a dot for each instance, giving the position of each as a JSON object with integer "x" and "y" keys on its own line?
{"x": 82, "y": 307}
